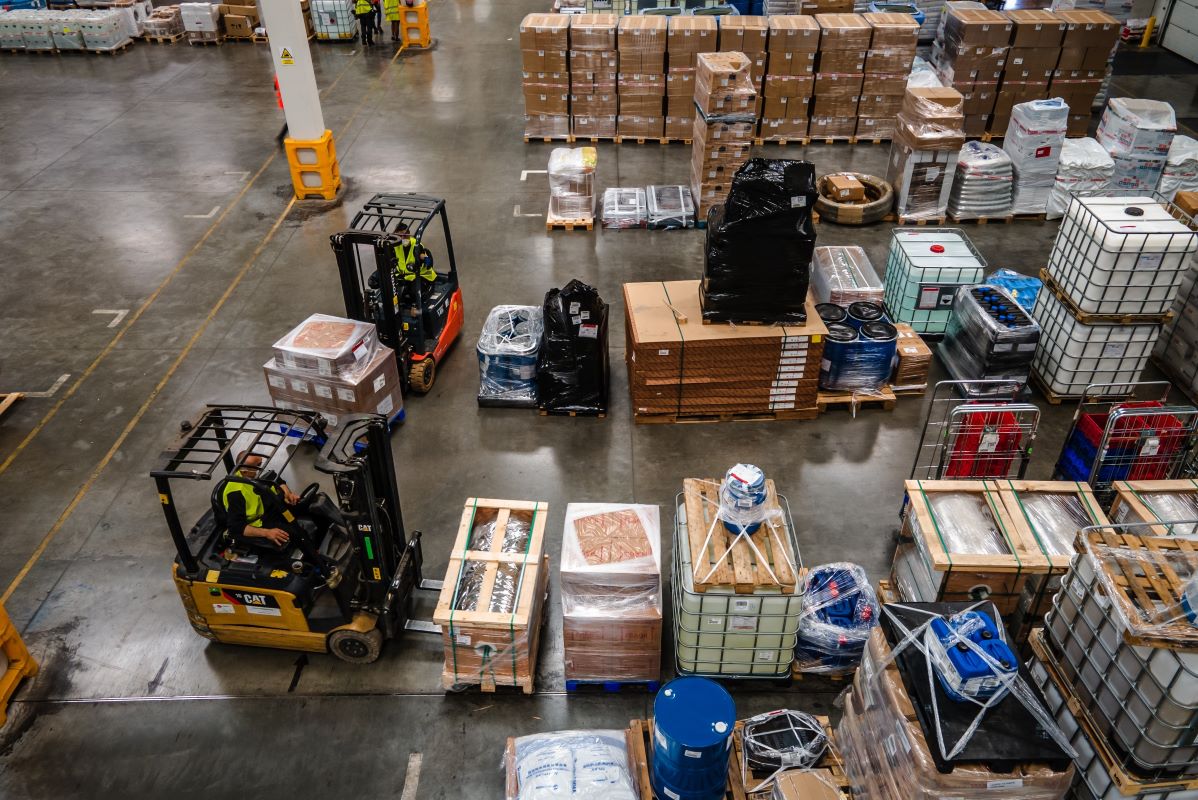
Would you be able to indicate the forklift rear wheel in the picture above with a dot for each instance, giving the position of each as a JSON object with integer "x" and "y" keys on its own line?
{"x": 422, "y": 375}
{"x": 357, "y": 647}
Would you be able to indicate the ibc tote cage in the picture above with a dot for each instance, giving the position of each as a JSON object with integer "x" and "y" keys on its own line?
{"x": 965, "y": 439}
{"x": 1128, "y": 432}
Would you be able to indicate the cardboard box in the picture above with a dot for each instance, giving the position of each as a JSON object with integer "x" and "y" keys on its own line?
{"x": 1078, "y": 124}
{"x": 1016, "y": 75}
{"x": 789, "y": 85}
{"x": 677, "y": 106}
{"x": 598, "y": 125}
{"x": 847, "y": 61}
{"x": 544, "y": 32}
{"x": 817, "y": 784}
{"x": 640, "y": 105}
{"x": 679, "y": 127}
{"x": 546, "y": 81}
{"x": 642, "y": 62}
{"x": 746, "y": 34}
{"x": 892, "y": 31}
{"x": 889, "y": 62}
{"x": 792, "y": 63}
{"x": 543, "y": 61}
{"x": 875, "y": 127}
{"x": 879, "y": 105}
{"x": 999, "y": 123}
{"x": 643, "y": 34}
{"x": 1085, "y": 28}
{"x": 1036, "y": 28}
{"x": 977, "y": 27}
{"x": 688, "y": 34}
{"x": 817, "y": 7}
{"x": 973, "y": 58}
{"x": 375, "y": 391}
{"x": 593, "y": 82}
{"x": 640, "y": 127}
{"x": 239, "y": 27}
{"x": 975, "y": 124}
{"x": 834, "y": 106}
{"x": 921, "y": 176}
{"x": 979, "y": 101}
{"x": 940, "y": 106}
{"x": 838, "y": 85}
{"x": 914, "y": 358}
{"x": 1012, "y": 94}
{"x": 845, "y": 188}
{"x": 1187, "y": 202}
{"x": 784, "y": 129}
{"x": 1096, "y": 58}
{"x": 553, "y": 103}
{"x": 594, "y": 60}
{"x": 1033, "y": 58}
{"x": 831, "y": 127}
{"x": 792, "y": 107}
{"x": 843, "y": 32}
{"x": 592, "y": 31}
{"x": 594, "y": 105}
{"x": 641, "y": 83}
{"x": 680, "y": 83}
{"x": 793, "y": 33}
{"x": 884, "y": 84}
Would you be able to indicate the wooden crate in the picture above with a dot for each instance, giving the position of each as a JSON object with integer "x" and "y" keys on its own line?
{"x": 485, "y": 645}
{"x": 1130, "y": 504}
{"x": 740, "y": 570}
{"x": 1040, "y": 589}
{"x": 960, "y": 576}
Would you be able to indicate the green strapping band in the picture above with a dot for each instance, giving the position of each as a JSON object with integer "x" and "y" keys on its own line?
{"x": 1031, "y": 525}
{"x": 457, "y": 587}
{"x": 1003, "y": 529}
{"x": 511, "y": 625}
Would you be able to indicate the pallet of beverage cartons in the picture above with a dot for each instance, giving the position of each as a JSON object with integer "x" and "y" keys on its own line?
{"x": 492, "y": 601}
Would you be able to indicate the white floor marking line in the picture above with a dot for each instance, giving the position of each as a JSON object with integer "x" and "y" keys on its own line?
{"x": 50, "y": 392}
{"x": 209, "y": 215}
{"x": 244, "y": 174}
{"x": 119, "y": 314}
{"x": 411, "y": 781}
{"x": 524, "y": 173}
{"x": 516, "y": 212}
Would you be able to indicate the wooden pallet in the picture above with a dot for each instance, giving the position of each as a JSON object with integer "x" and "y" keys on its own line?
{"x": 798, "y": 141}
{"x": 553, "y": 223}
{"x": 112, "y": 51}
{"x": 490, "y": 648}
{"x": 1128, "y": 783}
{"x": 989, "y": 137}
{"x": 830, "y": 682}
{"x": 38, "y": 51}
{"x": 171, "y": 39}
{"x": 548, "y": 139}
{"x": 205, "y": 42}
{"x": 648, "y": 140}
{"x": 1089, "y": 318}
{"x": 593, "y": 139}
{"x": 884, "y": 398}
{"x": 262, "y": 39}
{"x": 1052, "y": 397}
{"x": 544, "y": 413}
{"x": 1004, "y": 220}
{"x": 745, "y": 416}
{"x": 887, "y": 593}
{"x": 247, "y": 39}
{"x": 903, "y": 219}
{"x": 8, "y": 400}
{"x": 740, "y": 570}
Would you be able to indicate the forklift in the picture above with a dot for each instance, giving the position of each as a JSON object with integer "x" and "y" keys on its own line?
{"x": 422, "y": 319}
{"x": 252, "y": 592}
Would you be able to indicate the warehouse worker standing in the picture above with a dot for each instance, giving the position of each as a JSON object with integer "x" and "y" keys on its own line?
{"x": 391, "y": 12}
{"x": 364, "y": 11}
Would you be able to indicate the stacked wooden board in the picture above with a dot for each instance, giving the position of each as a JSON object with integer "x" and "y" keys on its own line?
{"x": 681, "y": 369}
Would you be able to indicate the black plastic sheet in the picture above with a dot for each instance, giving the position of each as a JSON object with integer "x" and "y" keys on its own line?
{"x": 572, "y": 367}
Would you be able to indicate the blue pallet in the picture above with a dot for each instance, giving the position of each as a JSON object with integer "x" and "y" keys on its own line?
{"x": 613, "y": 686}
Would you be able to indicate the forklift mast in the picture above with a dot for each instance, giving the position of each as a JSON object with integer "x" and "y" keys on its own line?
{"x": 355, "y": 277}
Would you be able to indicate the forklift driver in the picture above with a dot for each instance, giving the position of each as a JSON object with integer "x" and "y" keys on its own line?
{"x": 412, "y": 257}
{"x": 257, "y": 513}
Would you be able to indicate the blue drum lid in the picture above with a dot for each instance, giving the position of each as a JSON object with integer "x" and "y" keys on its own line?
{"x": 830, "y": 312}
{"x": 695, "y": 712}
{"x": 879, "y": 331}
{"x": 865, "y": 311}
{"x": 839, "y": 332}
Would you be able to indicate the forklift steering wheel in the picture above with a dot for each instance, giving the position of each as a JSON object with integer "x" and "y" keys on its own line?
{"x": 308, "y": 494}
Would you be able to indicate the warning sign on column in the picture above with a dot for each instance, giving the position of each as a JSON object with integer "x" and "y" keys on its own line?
{"x": 285, "y": 57}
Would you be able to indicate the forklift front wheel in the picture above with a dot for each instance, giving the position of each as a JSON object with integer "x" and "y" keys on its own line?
{"x": 357, "y": 647}
{"x": 422, "y": 375}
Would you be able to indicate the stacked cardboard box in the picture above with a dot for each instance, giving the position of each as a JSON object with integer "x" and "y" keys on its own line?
{"x": 790, "y": 77}
{"x": 725, "y": 121}
{"x": 593, "y": 63}
{"x": 1030, "y": 63}
{"x": 543, "y": 43}
{"x": 748, "y": 35}
{"x": 887, "y": 65}
{"x": 241, "y": 20}
{"x": 839, "y": 78}
{"x": 641, "y": 42}
{"x": 611, "y": 592}
{"x": 927, "y": 140}
{"x": 815, "y": 7}
{"x": 1087, "y": 47}
{"x": 686, "y": 38}
{"x": 970, "y": 58}
{"x": 678, "y": 366}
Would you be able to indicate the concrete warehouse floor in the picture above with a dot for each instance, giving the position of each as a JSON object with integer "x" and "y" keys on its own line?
{"x": 150, "y": 183}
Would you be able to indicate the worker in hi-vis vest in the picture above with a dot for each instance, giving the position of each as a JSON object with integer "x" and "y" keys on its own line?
{"x": 364, "y": 11}
{"x": 412, "y": 258}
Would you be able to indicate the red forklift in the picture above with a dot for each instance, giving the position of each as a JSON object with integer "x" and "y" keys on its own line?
{"x": 422, "y": 319}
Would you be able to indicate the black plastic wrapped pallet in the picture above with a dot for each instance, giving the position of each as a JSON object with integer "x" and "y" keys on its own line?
{"x": 572, "y": 367}
{"x": 751, "y": 276}
{"x": 771, "y": 194}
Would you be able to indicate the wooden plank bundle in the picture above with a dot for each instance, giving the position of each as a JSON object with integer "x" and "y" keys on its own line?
{"x": 491, "y": 603}
{"x": 1156, "y": 501}
{"x": 679, "y": 368}
{"x": 961, "y": 543}
{"x": 740, "y": 569}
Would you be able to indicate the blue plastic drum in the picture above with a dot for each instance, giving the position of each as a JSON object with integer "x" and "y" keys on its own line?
{"x": 830, "y": 313}
{"x": 864, "y": 312}
{"x": 743, "y": 490}
{"x": 692, "y": 738}
{"x": 839, "y": 347}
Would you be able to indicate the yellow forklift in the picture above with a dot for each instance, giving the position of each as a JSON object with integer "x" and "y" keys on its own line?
{"x": 256, "y": 593}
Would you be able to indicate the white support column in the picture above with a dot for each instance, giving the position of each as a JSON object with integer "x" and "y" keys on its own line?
{"x": 288, "y": 32}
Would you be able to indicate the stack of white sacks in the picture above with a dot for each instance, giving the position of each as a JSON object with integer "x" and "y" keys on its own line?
{"x": 69, "y": 29}
{"x": 982, "y": 185}
{"x": 1137, "y": 134}
{"x": 1181, "y": 167}
{"x": 1085, "y": 168}
{"x": 1034, "y": 139}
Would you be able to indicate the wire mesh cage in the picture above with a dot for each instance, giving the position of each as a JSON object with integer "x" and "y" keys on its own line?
{"x": 1128, "y": 432}
{"x": 1121, "y": 254}
{"x": 968, "y": 439}
{"x": 924, "y": 267}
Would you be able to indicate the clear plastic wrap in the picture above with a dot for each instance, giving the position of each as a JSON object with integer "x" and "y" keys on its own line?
{"x": 165, "y": 21}
{"x": 1168, "y": 506}
{"x": 624, "y": 208}
{"x": 1034, "y": 139}
{"x": 611, "y": 545}
{"x": 933, "y": 113}
{"x": 1023, "y": 288}
{"x": 572, "y": 182}
{"x": 375, "y": 389}
{"x": 858, "y": 360}
{"x": 889, "y": 756}
{"x": 923, "y": 75}
{"x": 328, "y": 346}
{"x": 839, "y": 609}
{"x": 743, "y": 507}
{"x": 1055, "y": 519}
{"x": 1181, "y": 167}
{"x": 572, "y": 366}
{"x": 989, "y": 336}
{"x": 570, "y": 765}
{"x": 724, "y": 90}
{"x": 776, "y": 742}
{"x": 670, "y": 207}
{"x": 964, "y": 523}
{"x": 844, "y": 275}
{"x": 1085, "y": 168}
{"x": 1152, "y": 583}
{"x": 507, "y": 355}
{"x": 983, "y": 184}
{"x": 547, "y": 126}
{"x": 1135, "y": 127}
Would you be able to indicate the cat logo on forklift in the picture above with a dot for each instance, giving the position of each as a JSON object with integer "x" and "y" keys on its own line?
{"x": 251, "y": 598}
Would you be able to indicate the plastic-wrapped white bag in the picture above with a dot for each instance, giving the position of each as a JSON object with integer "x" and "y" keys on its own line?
{"x": 573, "y": 765}
{"x": 1085, "y": 167}
{"x": 923, "y": 76}
{"x": 1181, "y": 167}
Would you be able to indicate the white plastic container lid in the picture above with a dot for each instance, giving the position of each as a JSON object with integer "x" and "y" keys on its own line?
{"x": 944, "y": 249}
{"x": 1132, "y": 224}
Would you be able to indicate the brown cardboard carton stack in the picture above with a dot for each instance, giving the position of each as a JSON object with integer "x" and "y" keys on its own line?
{"x": 839, "y": 77}
{"x": 239, "y": 20}
{"x": 1031, "y": 61}
{"x": 642, "y": 84}
{"x": 928, "y": 137}
{"x": 725, "y": 121}
{"x": 611, "y": 592}
{"x": 814, "y": 7}
{"x": 790, "y": 77}
{"x": 970, "y": 58}
{"x": 887, "y": 65}
{"x": 748, "y": 35}
{"x": 1088, "y": 45}
{"x": 543, "y": 43}
{"x": 593, "y": 63}
{"x": 685, "y": 39}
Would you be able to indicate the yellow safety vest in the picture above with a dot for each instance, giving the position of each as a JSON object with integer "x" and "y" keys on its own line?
{"x": 255, "y": 509}
{"x": 363, "y": 7}
{"x": 391, "y": 10}
{"x": 405, "y": 259}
